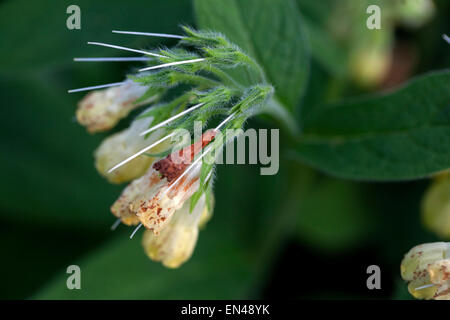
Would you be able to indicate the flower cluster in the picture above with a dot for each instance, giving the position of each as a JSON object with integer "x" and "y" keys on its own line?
{"x": 170, "y": 192}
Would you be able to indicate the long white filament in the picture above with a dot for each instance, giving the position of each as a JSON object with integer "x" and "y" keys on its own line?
{"x": 208, "y": 176}
{"x": 150, "y": 34}
{"x": 111, "y": 59}
{"x": 115, "y": 224}
{"x": 225, "y": 121}
{"x": 425, "y": 286}
{"x": 97, "y": 87}
{"x": 159, "y": 125}
{"x": 140, "y": 152}
{"x": 135, "y": 230}
{"x": 126, "y": 49}
{"x": 172, "y": 64}
{"x": 446, "y": 38}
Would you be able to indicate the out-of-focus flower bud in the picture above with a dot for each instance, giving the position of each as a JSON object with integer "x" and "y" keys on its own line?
{"x": 175, "y": 244}
{"x": 436, "y": 207}
{"x": 426, "y": 268}
{"x": 100, "y": 110}
{"x": 414, "y": 13}
{"x": 371, "y": 58}
{"x": 369, "y": 65}
{"x": 124, "y": 144}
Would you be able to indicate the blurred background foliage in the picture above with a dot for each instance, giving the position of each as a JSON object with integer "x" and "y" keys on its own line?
{"x": 299, "y": 234}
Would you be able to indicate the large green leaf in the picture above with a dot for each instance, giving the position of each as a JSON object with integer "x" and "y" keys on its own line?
{"x": 395, "y": 136}
{"x": 271, "y": 32}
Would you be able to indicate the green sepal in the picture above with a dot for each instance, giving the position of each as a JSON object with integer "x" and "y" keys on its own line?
{"x": 204, "y": 171}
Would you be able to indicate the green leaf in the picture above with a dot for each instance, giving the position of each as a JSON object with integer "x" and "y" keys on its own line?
{"x": 395, "y": 136}
{"x": 271, "y": 32}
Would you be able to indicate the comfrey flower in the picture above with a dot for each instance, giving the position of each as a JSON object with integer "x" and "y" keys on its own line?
{"x": 176, "y": 242}
{"x": 171, "y": 190}
{"x": 100, "y": 110}
{"x": 427, "y": 269}
{"x": 153, "y": 198}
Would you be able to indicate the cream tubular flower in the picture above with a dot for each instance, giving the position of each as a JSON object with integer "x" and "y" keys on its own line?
{"x": 124, "y": 144}
{"x": 175, "y": 244}
{"x": 100, "y": 110}
{"x": 427, "y": 269}
{"x": 164, "y": 188}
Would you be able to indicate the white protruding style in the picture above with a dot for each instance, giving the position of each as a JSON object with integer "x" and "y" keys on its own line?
{"x": 172, "y": 64}
{"x": 150, "y": 34}
{"x": 126, "y": 49}
{"x": 159, "y": 125}
{"x": 111, "y": 59}
{"x": 115, "y": 224}
{"x": 446, "y": 38}
{"x": 140, "y": 152}
{"x": 425, "y": 286}
{"x": 98, "y": 87}
{"x": 135, "y": 230}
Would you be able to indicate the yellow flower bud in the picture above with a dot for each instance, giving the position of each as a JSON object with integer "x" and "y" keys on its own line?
{"x": 436, "y": 207}
{"x": 371, "y": 58}
{"x": 124, "y": 144}
{"x": 175, "y": 243}
{"x": 414, "y": 13}
{"x": 100, "y": 110}
{"x": 426, "y": 268}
